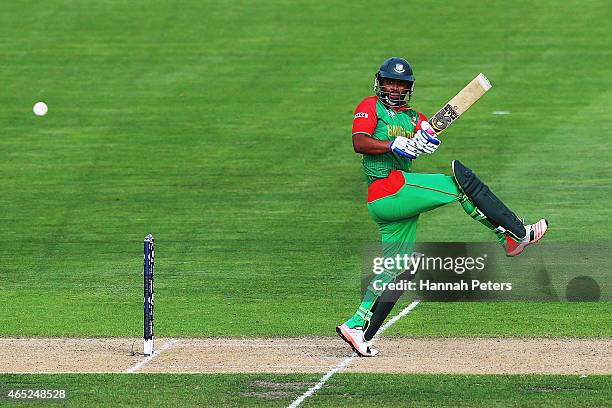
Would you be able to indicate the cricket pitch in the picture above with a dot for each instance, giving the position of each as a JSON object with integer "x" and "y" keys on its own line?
{"x": 307, "y": 355}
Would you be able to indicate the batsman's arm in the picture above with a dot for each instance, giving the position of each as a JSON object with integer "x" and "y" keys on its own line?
{"x": 365, "y": 144}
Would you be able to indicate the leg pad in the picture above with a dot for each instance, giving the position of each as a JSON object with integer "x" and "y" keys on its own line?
{"x": 486, "y": 202}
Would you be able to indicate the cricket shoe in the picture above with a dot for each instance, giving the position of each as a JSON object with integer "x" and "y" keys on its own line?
{"x": 354, "y": 337}
{"x": 534, "y": 233}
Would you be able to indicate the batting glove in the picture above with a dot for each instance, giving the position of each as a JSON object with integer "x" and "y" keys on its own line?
{"x": 405, "y": 147}
{"x": 426, "y": 141}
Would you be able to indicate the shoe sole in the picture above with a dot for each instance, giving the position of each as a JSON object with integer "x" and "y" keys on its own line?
{"x": 347, "y": 339}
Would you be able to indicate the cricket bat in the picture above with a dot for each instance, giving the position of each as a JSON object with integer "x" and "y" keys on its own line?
{"x": 460, "y": 103}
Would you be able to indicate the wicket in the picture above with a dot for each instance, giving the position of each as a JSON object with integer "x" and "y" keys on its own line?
{"x": 149, "y": 301}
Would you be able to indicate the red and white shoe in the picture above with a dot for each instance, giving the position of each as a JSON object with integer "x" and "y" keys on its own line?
{"x": 534, "y": 233}
{"x": 354, "y": 337}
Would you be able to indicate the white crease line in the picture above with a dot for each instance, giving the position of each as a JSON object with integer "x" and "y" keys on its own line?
{"x": 323, "y": 380}
{"x": 401, "y": 314}
{"x": 144, "y": 362}
{"x": 344, "y": 363}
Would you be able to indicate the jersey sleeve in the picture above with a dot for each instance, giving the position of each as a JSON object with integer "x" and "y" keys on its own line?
{"x": 419, "y": 121}
{"x": 365, "y": 118}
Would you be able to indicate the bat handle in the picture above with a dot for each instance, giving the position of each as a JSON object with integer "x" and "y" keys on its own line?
{"x": 426, "y": 126}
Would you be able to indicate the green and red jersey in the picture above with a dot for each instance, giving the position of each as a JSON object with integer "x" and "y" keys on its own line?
{"x": 373, "y": 118}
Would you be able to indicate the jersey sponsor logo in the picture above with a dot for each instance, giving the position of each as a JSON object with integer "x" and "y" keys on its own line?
{"x": 399, "y": 68}
{"x": 361, "y": 115}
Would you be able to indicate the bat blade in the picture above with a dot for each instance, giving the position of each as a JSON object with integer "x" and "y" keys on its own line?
{"x": 460, "y": 103}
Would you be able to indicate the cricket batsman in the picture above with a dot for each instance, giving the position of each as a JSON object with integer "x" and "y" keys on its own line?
{"x": 391, "y": 135}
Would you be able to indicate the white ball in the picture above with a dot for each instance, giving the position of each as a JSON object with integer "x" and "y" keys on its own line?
{"x": 40, "y": 109}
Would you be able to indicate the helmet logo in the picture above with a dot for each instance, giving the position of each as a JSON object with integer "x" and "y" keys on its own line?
{"x": 399, "y": 68}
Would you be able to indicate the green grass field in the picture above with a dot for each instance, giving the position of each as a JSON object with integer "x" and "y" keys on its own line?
{"x": 365, "y": 390}
{"x": 224, "y": 130}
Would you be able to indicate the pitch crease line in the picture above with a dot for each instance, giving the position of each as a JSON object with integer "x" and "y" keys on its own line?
{"x": 344, "y": 363}
{"x": 144, "y": 362}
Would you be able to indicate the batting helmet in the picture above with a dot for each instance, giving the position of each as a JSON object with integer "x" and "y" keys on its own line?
{"x": 398, "y": 69}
